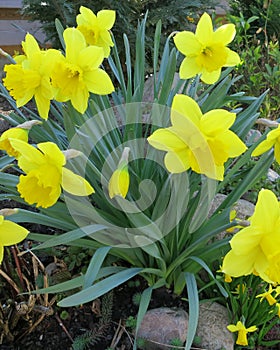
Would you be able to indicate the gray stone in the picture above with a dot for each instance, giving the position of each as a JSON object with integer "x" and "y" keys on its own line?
{"x": 272, "y": 175}
{"x": 148, "y": 95}
{"x": 161, "y": 325}
{"x": 212, "y": 327}
{"x": 4, "y": 125}
{"x": 244, "y": 209}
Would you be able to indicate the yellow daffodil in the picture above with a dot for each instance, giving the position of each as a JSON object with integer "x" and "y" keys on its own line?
{"x": 227, "y": 278}
{"x": 202, "y": 142}
{"x": 95, "y": 28}
{"x": 267, "y": 295}
{"x": 206, "y": 51}
{"x": 19, "y": 132}
{"x": 78, "y": 73}
{"x": 46, "y": 174}
{"x": 240, "y": 289}
{"x": 119, "y": 181}
{"x": 278, "y": 309}
{"x": 30, "y": 76}
{"x": 14, "y": 133}
{"x": 277, "y": 290}
{"x": 10, "y": 234}
{"x": 272, "y": 140}
{"x": 256, "y": 248}
{"x": 242, "y": 332}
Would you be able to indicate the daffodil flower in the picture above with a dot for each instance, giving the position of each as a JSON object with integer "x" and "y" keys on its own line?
{"x": 242, "y": 332}
{"x": 10, "y": 234}
{"x": 13, "y": 133}
{"x": 206, "y": 51}
{"x": 119, "y": 181}
{"x": 272, "y": 140}
{"x": 78, "y": 73}
{"x": 19, "y": 132}
{"x": 202, "y": 142}
{"x": 268, "y": 296}
{"x": 278, "y": 309}
{"x": 46, "y": 174}
{"x": 30, "y": 76}
{"x": 256, "y": 248}
{"x": 95, "y": 28}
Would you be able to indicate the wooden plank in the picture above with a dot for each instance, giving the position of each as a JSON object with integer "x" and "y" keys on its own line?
{"x": 13, "y": 32}
{"x": 9, "y": 13}
{"x": 11, "y": 4}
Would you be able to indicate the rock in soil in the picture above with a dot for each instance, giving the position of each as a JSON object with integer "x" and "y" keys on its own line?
{"x": 212, "y": 327}
{"x": 162, "y": 325}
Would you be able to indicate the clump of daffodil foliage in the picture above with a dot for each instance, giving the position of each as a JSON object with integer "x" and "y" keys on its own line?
{"x": 131, "y": 173}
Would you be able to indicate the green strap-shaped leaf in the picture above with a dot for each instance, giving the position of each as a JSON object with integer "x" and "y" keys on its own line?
{"x": 100, "y": 288}
{"x": 193, "y": 308}
{"x": 95, "y": 265}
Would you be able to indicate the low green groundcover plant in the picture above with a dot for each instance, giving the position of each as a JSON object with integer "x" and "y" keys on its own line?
{"x": 133, "y": 178}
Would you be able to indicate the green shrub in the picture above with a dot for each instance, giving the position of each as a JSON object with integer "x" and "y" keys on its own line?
{"x": 267, "y": 11}
{"x": 259, "y": 68}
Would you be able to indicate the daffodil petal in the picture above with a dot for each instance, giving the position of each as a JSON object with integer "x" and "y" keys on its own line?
{"x": 43, "y": 105}
{"x": 75, "y": 42}
{"x": 204, "y": 29}
{"x": 106, "y": 18}
{"x": 187, "y": 43}
{"x": 11, "y": 233}
{"x": 85, "y": 16}
{"x": 50, "y": 149}
{"x": 30, "y": 157}
{"x": 98, "y": 82}
{"x": 267, "y": 211}
{"x": 210, "y": 77}
{"x": 225, "y": 34}
{"x": 75, "y": 184}
{"x": 246, "y": 240}
{"x": 277, "y": 152}
{"x": 217, "y": 121}
{"x": 238, "y": 265}
{"x": 232, "y": 58}
{"x": 30, "y": 45}
{"x": 184, "y": 109}
{"x": 233, "y": 145}
{"x": 79, "y": 99}
{"x": 177, "y": 162}
{"x": 166, "y": 140}
{"x": 189, "y": 68}
{"x": 90, "y": 58}
{"x": 263, "y": 147}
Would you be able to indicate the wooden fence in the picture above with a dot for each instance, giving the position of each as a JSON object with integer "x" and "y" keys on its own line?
{"x": 13, "y": 27}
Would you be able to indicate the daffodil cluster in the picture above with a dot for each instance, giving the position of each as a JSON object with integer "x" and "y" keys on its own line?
{"x": 72, "y": 76}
